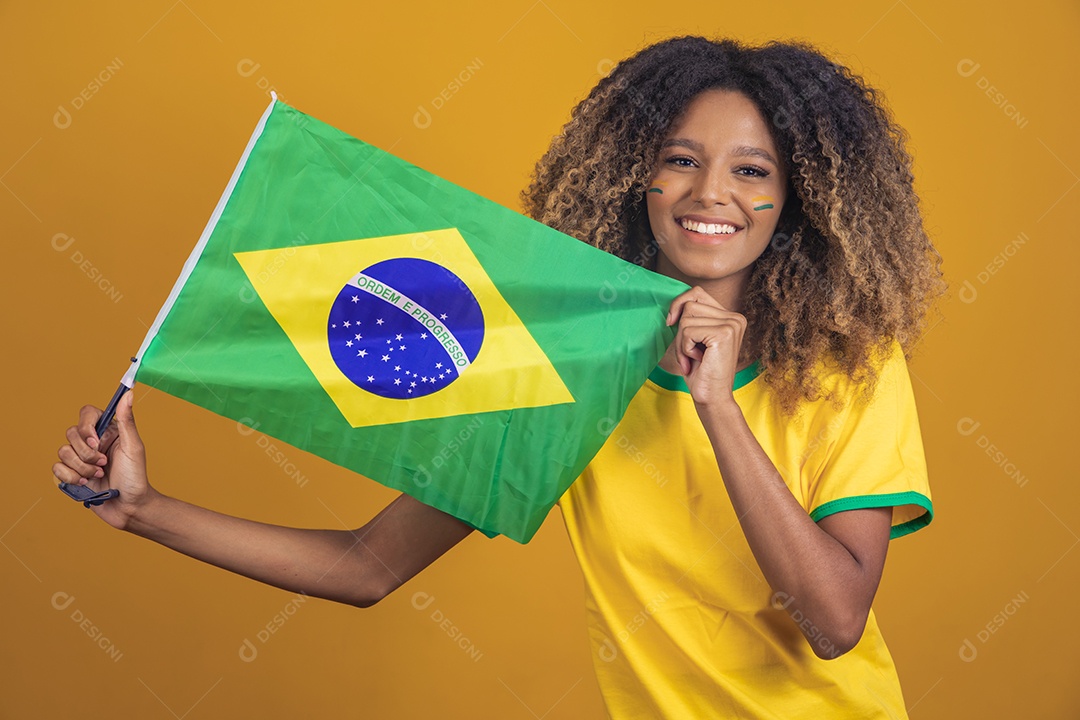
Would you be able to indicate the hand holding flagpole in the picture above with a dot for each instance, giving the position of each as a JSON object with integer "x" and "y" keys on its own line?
{"x": 84, "y": 493}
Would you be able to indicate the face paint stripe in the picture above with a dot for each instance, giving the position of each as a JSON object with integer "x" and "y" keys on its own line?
{"x": 762, "y": 202}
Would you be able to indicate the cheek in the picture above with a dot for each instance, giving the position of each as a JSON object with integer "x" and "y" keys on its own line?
{"x": 766, "y": 202}
{"x": 766, "y": 234}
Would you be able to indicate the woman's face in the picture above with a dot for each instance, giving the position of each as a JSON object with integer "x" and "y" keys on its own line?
{"x": 716, "y": 194}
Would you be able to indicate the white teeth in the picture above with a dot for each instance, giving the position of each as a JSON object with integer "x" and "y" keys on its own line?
{"x": 710, "y": 228}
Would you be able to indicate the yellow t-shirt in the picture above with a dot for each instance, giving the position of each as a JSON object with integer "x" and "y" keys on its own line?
{"x": 682, "y": 623}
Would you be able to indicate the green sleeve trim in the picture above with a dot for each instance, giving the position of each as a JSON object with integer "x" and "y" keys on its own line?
{"x": 677, "y": 383}
{"x": 860, "y": 502}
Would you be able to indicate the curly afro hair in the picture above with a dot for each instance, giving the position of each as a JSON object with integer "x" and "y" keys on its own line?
{"x": 850, "y": 269}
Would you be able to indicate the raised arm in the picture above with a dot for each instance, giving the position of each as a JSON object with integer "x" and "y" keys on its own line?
{"x": 358, "y": 567}
{"x": 824, "y": 574}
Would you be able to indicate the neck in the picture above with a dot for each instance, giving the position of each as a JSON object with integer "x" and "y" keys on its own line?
{"x": 729, "y": 291}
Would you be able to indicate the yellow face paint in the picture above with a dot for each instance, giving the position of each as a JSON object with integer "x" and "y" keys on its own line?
{"x": 762, "y": 202}
{"x": 657, "y": 188}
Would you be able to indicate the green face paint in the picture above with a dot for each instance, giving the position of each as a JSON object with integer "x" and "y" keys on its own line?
{"x": 656, "y": 190}
{"x": 762, "y": 202}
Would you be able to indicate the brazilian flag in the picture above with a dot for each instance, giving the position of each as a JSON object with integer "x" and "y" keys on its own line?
{"x": 369, "y": 312}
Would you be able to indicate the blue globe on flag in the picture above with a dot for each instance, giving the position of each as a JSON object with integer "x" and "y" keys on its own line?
{"x": 404, "y": 328}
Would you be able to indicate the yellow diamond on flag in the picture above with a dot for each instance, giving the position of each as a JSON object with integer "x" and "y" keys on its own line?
{"x": 403, "y": 327}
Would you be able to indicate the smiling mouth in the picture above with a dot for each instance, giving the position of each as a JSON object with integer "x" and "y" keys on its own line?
{"x": 708, "y": 228}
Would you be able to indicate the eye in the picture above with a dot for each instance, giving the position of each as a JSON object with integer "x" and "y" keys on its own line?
{"x": 680, "y": 161}
{"x": 752, "y": 171}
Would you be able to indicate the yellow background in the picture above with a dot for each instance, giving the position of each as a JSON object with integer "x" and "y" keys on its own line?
{"x": 125, "y": 189}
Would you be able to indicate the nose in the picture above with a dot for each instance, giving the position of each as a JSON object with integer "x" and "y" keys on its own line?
{"x": 711, "y": 188}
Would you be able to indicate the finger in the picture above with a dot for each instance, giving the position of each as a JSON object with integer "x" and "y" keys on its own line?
{"x": 65, "y": 474}
{"x": 694, "y": 294}
{"x": 109, "y": 436}
{"x": 675, "y": 309}
{"x": 125, "y": 420}
{"x": 686, "y": 349}
{"x": 73, "y": 461}
{"x": 700, "y": 323}
{"x": 710, "y": 332}
{"x": 693, "y": 350}
{"x": 88, "y": 417}
{"x": 88, "y": 428}
{"x": 696, "y": 312}
{"x": 80, "y": 448}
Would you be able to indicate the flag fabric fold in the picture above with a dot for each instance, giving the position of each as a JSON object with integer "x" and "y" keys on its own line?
{"x": 364, "y": 310}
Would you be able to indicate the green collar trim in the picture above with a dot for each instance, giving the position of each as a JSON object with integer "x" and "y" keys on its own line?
{"x": 668, "y": 381}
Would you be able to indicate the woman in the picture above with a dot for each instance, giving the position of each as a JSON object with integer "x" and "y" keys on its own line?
{"x": 733, "y": 530}
{"x": 772, "y": 182}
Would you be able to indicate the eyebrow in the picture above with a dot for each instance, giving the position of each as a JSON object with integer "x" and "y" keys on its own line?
{"x": 741, "y": 151}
